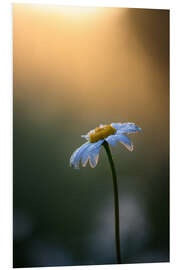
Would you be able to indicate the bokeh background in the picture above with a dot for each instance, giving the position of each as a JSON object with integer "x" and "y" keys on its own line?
{"x": 73, "y": 69}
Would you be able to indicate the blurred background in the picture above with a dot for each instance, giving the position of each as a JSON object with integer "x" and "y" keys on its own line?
{"x": 73, "y": 69}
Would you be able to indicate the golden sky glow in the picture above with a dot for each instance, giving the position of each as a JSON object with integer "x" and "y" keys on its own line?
{"x": 92, "y": 62}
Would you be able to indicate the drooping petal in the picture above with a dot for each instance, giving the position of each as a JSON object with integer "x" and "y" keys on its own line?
{"x": 125, "y": 128}
{"x": 77, "y": 154}
{"x": 113, "y": 139}
{"x": 91, "y": 154}
{"x": 84, "y": 160}
{"x": 93, "y": 159}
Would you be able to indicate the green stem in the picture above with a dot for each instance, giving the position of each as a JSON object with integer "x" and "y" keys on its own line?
{"x": 116, "y": 201}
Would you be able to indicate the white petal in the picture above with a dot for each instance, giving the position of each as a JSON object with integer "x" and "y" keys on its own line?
{"x": 85, "y": 136}
{"x": 113, "y": 139}
{"x": 92, "y": 154}
{"x": 93, "y": 160}
{"x": 125, "y": 127}
{"x": 84, "y": 159}
{"x": 77, "y": 154}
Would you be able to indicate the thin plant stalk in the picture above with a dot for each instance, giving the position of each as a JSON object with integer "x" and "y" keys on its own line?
{"x": 116, "y": 201}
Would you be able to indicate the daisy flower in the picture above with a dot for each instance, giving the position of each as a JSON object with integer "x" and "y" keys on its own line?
{"x": 106, "y": 135}
{"x": 113, "y": 133}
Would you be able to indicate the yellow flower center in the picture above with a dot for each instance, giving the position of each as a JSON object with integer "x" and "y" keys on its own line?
{"x": 101, "y": 133}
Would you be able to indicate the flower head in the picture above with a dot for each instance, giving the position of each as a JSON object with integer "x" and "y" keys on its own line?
{"x": 113, "y": 133}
